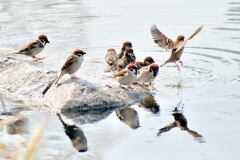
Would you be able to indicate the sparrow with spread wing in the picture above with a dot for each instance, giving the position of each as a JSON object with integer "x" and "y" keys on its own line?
{"x": 177, "y": 46}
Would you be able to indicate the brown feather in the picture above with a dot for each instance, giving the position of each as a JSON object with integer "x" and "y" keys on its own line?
{"x": 68, "y": 62}
{"x": 160, "y": 39}
{"x": 196, "y": 32}
{"x": 121, "y": 73}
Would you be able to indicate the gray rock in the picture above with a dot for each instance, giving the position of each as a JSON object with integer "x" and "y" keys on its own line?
{"x": 24, "y": 79}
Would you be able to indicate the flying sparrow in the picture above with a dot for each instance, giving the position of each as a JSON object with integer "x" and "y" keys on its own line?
{"x": 126, "y": 59}
{"x": 148, "y": 73}
{"x": 34, "y": 47}
{"x": 126, "y": 76}
{"x": 125, "y": 46}
{"x": 72, "y": 64}
{"x": 111, "y": 59}
{"x": 166, "y": 43}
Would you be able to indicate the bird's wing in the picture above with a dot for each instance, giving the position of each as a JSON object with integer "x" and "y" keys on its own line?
{"x": 121, "y": 73}
{"x": 180, "y": 45}
{"x": 69, "y": 62}
{"x": 31, "y": 45}
{"x": 160, "y": 39}
{"x": 196, "y": 32}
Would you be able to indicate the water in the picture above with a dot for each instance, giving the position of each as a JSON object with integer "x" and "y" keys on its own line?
{"x": 209, "y": 98}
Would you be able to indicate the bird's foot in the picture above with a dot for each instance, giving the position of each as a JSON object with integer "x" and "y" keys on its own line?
{"x": 73, "y": 76}
{"x": 181, "y": 62}
{"x": 36, "y": 59}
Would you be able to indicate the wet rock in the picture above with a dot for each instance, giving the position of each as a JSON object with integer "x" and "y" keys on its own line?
{"x": 20, "y": 77}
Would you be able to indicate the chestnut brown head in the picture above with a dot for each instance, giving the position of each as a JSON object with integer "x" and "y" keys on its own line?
{"x": 129, "y": 52}
{"x": 78, "y": 52}
{"x": 127, "y": 44}
{"x": 148, "y": 60}
{"x": 153, "y": 68}
{"x": 132, "y": 68}
{"x": 139, "y": 64}
{"x": 43, "y": 38}
{"x": 180, "y": 38}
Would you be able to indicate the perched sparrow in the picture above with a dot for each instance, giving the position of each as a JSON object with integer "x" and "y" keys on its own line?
{"x": 139, "y": 64}
{"x": 72, "y": 64}
{"x": 111, "y": 59}
{"x": 148, "y": 60}
{"x": 34, "y": 47}
{"x": 127, "y": 58}
{"x": 166, "y": 43}
{"x": 127, "y": 76}
{"x": 125, "y": 46}
{"x": 147, "y": 74}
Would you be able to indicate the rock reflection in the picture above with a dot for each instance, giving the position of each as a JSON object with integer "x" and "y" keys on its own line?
{"x": 181, "y": 122}
{"x": 75, "y": 134}
{"x": 150, "y": 104}
{"x": 129, "y": 116}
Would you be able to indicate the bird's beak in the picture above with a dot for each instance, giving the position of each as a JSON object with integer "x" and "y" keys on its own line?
{"x": 84, "y": 53}
{"x": 47, "y": 41}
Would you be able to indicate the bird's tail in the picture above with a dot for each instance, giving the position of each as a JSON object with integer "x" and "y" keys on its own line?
{"x": 52, "y": 82}
{"x": 59, "y": 77}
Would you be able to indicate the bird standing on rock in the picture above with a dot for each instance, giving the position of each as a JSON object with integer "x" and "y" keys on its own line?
{"x": 177, "y": 46}
{"x": 72, "y": 64}
{"x": 34, "y": 47}
{"x": 111, "y": 59}
{"x": 148, "y": 73}
{"x": 125, "y": 46}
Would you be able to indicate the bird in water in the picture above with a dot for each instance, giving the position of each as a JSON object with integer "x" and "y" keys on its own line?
{"x": 177, "y": 46}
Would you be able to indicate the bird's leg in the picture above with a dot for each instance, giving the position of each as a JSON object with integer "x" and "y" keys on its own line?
{"x": 181, "y": 62}
{"x": 73, "y": 76}
{"x": 177, "y": 66}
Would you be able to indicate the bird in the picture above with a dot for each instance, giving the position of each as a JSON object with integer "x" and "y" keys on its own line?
{"x": 139, "y": 64}
{"x": 125, "y": 46}
{"x": 177, "y": 46}
{"x": 111, "y": 59}
{"x": 71, "y": 65}
{"x": 126, "y": 59}
{"x": 127, "y": 76}
{"x": 34, "y": 47}
{"x": 148, "y": 60}
{"x": 148, "y": 73}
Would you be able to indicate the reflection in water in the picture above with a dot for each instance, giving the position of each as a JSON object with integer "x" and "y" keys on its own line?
{"x": 181, "y": 122}
{"x": 18, "y": 127}
{"x": 75, "y": 134}
{"x": 129, "y": 116}
{"x": 150, "y": 104}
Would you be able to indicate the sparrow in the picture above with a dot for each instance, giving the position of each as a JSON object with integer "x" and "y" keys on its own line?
{"x": 34, "y": 47}
{"x": 148, "y": 73}
{"x": 126, "y": 59}
{"x": 71, "y": 65}
{"x": 127, "y": 76}
{"x": 148, "y": 60}
{"x": 177, "y": 46}
{"x": 125, "y": 46}
{"x": 139, "y": 64}
{"x": 111, "y": 59}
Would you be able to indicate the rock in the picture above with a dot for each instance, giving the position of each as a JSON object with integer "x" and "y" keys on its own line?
{"x": 24, "y": 79}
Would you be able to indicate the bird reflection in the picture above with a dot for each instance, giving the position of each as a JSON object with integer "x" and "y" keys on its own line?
{"x": 129, "y": 116}
{"x": 181, "y": 122}
{"x": 150, "y": 104}
{"x": 75, "y": 134}
{"x": 18, "y": 127}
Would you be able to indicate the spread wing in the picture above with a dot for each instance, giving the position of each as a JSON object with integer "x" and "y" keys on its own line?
{"x": 120, "y": 73}
{"x": 160, "y": 39}
{"x": 68, "y": 62}
{"x": 33, "y": 44}
{"x": 196, "y": 32}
